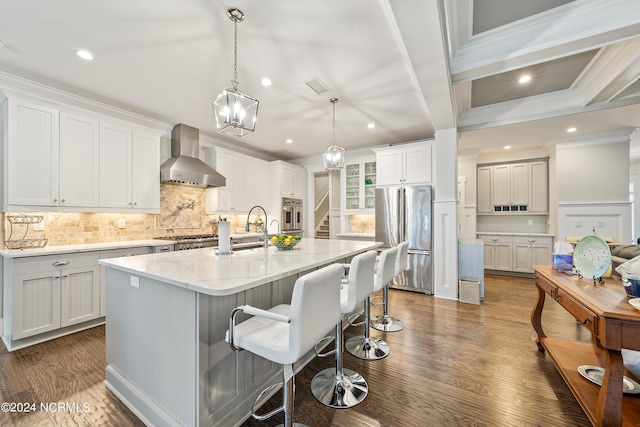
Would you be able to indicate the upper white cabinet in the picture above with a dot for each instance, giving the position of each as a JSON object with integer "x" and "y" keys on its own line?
{"x": 33, "y": 152}
{"x": 513, "y": 188}
{"x": 289, "y": 177}
{"x": 247, "y": 184}
{"x": 404, "y": 165}
{"x": 129, "y": 169}
{"x": 79, "y": 161}
{"x": 59, "y": 160}
{"x": 359, "y": 186}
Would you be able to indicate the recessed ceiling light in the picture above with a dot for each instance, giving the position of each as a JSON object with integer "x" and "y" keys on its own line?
{"x": 524, "y": 79}
{"x": 289, "y": 141}
{"x": 371, "y": 125}
{"x": 266, "y": 82}
{"x": 85, "y": 54}
{"x": 507, "y": 147}
{"x": 571, "y": 129}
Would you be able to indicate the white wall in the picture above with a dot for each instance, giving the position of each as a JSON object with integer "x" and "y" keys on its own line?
{"x": 592, "y": 184}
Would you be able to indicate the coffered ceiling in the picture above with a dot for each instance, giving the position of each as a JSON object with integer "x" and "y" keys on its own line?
{"x": 410, "y": 67}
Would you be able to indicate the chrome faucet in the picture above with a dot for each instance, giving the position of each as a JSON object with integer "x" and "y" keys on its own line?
{"x": 264, "y": 226}
{"x": 277, "y": 222}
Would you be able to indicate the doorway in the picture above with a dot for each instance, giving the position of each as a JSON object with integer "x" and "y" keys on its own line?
{"x": 326, "y": 204}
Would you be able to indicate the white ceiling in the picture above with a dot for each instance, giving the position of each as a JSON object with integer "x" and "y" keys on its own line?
{"x": 409, "y": 66}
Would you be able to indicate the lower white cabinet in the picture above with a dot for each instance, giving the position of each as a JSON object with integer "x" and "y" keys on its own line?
{"x": 517, "y": 253}
{"x": 52, "y": 292}
{"x": 531, "y": 250}
{"x": 497, "y": 252}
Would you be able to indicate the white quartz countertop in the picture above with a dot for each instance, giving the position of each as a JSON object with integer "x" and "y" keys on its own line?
{"x": 203, "y": 270}
{"x": 502, "y": 233}
{"x": 366, "y": 235}
{"x": 63, "y": 249}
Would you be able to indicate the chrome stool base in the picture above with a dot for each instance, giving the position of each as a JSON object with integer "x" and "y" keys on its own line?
{"x": 342, "y": 391}
{"x": 367, "y": 348}
{"x": 387, "y": 323}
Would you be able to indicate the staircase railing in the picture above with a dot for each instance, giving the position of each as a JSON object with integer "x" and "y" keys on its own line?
{"x": 321, "y": 209}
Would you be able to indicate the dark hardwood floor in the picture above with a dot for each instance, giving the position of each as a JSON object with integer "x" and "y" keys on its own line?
{"x": 454, "y": 364}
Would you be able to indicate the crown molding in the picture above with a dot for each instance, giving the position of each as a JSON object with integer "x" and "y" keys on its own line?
{"x": 601, "y": 138}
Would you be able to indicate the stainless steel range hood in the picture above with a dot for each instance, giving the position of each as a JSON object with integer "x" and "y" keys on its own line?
{"x": 184, "y": 166}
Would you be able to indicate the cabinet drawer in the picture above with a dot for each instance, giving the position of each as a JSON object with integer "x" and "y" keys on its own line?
{"x": 489, "y": 238}
{"x": 546, "y": 286}
{"x": 117, "y": 253}
{"x": 533, "y": 240}
{"x": 54, "y": 262}
{"x": 577, "y": 310}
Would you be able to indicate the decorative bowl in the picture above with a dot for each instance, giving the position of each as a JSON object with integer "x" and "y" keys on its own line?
{"x": 285, "y": 242}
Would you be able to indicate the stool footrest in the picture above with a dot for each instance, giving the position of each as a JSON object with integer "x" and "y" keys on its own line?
{"x": 268, "y": 414}
{"x": 322, "y": 342}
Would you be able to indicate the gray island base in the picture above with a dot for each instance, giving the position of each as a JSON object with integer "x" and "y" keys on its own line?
{"x": 167, "y": 315}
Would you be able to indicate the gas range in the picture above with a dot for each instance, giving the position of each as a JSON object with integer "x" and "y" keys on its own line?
{"x": 194, "y": 241}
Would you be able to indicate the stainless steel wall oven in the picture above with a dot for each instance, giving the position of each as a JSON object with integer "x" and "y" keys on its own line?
{"x": 291, "y": 214}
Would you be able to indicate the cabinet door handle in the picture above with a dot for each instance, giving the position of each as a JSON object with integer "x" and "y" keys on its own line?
{"x": 63, "y": 200}
{"x": 165, "y": 249}
{"x": 64, "y": 276}
{"x": 135, "y": 203}
{"x": 587, "y": 320}
{"x": 494, "y": 239}
{"x": 55, "y": 200}
{"x": 531, "y": 240}
{"x": 126, "y": 255}
{"x": 551, "y": 292}
{"x": 59, "y": 263}
{"x": 56, "y": 277}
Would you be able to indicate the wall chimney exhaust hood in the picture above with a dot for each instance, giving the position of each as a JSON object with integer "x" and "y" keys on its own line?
{"x": 184, "y": 166}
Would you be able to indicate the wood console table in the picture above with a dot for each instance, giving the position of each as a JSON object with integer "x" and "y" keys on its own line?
{"x": 614, "y": 325}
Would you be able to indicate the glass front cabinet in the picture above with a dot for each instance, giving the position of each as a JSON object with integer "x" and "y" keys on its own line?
{"x": 359, "y": 186}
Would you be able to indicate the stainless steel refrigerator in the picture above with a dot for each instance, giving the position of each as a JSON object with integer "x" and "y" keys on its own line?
{"x": 404, "y": 213}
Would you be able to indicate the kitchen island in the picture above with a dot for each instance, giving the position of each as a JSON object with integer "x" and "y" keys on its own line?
{"x": 167, "y": 315}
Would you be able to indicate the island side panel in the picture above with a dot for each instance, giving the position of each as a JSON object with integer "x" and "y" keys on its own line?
{"x": 151, "y": 338}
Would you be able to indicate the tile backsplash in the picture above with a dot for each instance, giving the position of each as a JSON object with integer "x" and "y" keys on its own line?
{"x": 181, "y": 212}
{"x": 362, "y": 224}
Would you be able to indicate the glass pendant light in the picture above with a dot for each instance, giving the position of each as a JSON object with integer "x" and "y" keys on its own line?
{"x": 236, "y": 112}
{"x": 333, "y": 157}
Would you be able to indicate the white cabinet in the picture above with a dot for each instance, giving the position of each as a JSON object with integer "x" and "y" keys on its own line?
{"x": 129, "y": 169}
{"x": 511, "y": 186}
{"x": 60, "y": 161}
{"x": 404, "y": 165}
{"x": 33, "y": 150}
{"x": 359, "y": 187}
{"x": 79, "y": 161}
{"x": 497, "y": 252}
{"x": 539, "y": 187}
{"x": 247, "y": 184}
{"x": 289, "y": 178}
{"x": 52, "y": 292}
{"x": 529, "y": 251}
{"x": 514, "y": 188}
{"x": 484, "y": 202}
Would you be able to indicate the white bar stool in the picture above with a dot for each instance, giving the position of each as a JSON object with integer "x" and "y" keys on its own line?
{"x": 385, "y": 322}
{"x": 340, "y": 387}
{"x": 284, "y": 333}
{"x": 363, "y": 346}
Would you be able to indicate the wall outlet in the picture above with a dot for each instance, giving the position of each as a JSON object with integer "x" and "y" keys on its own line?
{"x": 122, "y": 223}
{"x": 135, "y": 281}
{"x": 530, "y": 222}
{"x": 38, "y": 226}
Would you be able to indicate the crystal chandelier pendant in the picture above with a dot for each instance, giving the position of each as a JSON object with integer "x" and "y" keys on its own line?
{"x": 236, "y": 112}
{"x": 334, "y": 156}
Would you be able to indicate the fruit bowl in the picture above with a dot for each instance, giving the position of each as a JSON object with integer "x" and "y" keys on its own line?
{"x": 284, "y": 241}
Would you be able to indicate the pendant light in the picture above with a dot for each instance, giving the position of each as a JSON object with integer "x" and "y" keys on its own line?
{"x": 235, "y": 111}
{"x": 334, "y": 156}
